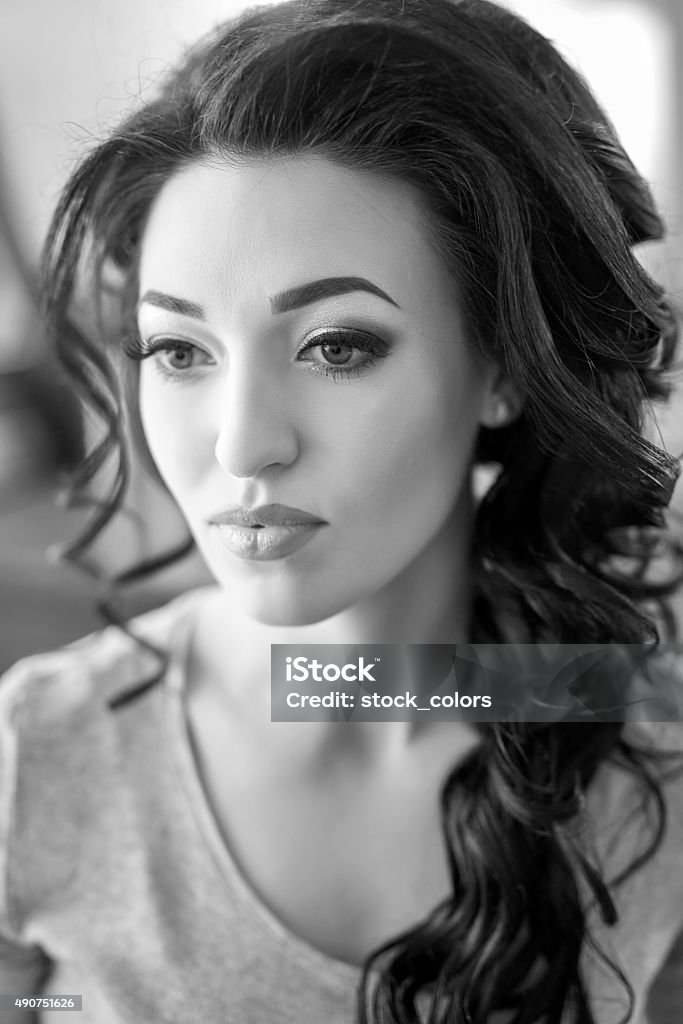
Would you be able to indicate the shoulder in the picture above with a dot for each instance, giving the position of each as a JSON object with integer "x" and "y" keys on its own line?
{"x": 64, "y": 755}
{"x": 662, "y": 745}
{"x": 655, "y": 748}
{"x": 92, "y": 671}
{"x": 664, "y": 741}
{"x": 638, "y": 852}
{"x": 54, "y": 707}
{"x": 641, "y": 778}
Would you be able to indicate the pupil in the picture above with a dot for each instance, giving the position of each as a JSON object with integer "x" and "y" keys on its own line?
{"x": 338, "y": 353}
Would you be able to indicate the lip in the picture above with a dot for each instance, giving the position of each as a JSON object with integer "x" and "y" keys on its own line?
{"x": 265, "y": 543}
{"x": 265, "y": 533}
{"x": 264, "y": 516}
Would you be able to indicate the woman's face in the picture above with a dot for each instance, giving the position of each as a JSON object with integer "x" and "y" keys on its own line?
{"x": 308, "y": 351}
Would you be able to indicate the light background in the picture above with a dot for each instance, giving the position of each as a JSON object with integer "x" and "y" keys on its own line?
{"x": 68, "y": 70}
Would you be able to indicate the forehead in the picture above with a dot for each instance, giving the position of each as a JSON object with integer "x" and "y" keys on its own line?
{"x": 247, "y": 229}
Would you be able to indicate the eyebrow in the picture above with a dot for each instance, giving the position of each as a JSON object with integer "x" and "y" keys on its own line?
{"x": 326, "y": 288}
{"x": 172, "y": 304}
{"x": 283, "y": 302}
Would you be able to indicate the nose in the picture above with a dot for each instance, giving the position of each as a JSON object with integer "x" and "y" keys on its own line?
{"x": 257, "y": 428}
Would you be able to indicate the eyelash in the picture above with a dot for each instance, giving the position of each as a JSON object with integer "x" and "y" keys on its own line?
{"x": 138, "y": 350}
{"x": 374, "y": 348}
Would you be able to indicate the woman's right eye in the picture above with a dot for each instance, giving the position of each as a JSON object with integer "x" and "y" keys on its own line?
{"x": 173, "y": 358}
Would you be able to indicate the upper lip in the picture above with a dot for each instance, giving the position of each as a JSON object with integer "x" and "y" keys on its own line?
{"x": 264, "y": 515}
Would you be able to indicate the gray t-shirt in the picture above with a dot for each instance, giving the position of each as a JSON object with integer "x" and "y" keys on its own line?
{"x": 116, "y": 883}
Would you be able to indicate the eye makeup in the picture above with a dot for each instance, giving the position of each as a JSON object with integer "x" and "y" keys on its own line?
{"x": 345, "y": 352}
{"x": 159, "y": 351}
{"x": 337, "y": 348}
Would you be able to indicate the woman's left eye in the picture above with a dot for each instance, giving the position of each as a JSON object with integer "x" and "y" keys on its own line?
{"x": 344, "y": 353}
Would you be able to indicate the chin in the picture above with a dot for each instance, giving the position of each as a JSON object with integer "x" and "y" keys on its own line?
{"x": 287, "y": 613}
{"x": 292, "y": 606}
{"x": 283, "y": 617}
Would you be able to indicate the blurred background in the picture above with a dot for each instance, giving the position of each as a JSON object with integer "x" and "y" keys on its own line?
{"x": 67, "y": 72}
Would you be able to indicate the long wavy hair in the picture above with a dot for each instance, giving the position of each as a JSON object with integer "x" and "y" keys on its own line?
{"x": 535, "y": 208}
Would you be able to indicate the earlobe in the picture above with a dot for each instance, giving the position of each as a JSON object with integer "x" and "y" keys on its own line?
{"x": 502, "y": 405}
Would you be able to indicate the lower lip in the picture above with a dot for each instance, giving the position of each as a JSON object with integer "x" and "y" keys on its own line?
{"x": 266, "y": 543}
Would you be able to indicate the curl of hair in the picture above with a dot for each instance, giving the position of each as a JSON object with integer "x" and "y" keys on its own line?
{"x": 534, "y": 206}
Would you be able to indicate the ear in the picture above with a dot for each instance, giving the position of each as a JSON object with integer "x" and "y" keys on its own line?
{"x": 502, "y": 401}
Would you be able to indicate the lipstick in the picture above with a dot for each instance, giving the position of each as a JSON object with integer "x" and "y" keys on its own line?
{"x": 265, "y": 533}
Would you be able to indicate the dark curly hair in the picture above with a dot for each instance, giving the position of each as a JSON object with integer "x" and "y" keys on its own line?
{"x": 535, "y": 208}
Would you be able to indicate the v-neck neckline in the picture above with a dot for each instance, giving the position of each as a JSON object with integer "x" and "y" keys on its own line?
{"x": 183, "y": 744}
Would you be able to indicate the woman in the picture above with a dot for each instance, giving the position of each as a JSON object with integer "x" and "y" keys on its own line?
{"x": 349, "y": 252}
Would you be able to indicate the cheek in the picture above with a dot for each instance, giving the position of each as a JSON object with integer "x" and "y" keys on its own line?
{"x": 171, "y": 430}
{"x": 412, "y": 451}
